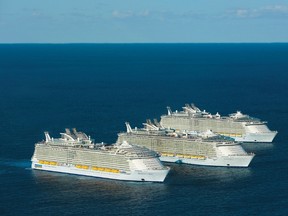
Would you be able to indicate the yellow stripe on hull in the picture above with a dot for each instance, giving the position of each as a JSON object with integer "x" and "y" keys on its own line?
{"x": 104, "y": 169}
{"x": 187, "y": 156}
{"x": 230, "y": 134}
{"x": 53, "y": 163}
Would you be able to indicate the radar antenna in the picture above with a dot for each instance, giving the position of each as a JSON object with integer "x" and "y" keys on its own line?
{"x": 195, "y": 107}
{"x": 67, "y": 130}
{"x": 47, "y": 137}
{"x": 157, "y": 123}
{"x": 128, "y": 127}
{"x": 149, "y": 125}
{"x": 169, "y": 111}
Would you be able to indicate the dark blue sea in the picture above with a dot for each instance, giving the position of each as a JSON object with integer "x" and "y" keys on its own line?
{"x": 97, "y": 87}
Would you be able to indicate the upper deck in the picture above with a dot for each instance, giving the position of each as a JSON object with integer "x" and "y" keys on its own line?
{"x": 191, "y": 111}
{"x": 80, "y": 141}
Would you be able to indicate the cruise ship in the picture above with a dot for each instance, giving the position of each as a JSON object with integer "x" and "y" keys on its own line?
{"x": 240, "y": 127}
{"x": 75, "y": 153}
{"x": 204, "y": 148}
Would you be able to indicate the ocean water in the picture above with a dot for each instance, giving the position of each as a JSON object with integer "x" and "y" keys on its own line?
{"x": 97, "y": 87}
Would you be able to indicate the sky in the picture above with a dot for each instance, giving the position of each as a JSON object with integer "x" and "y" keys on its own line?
{"x": 143, "y": 21}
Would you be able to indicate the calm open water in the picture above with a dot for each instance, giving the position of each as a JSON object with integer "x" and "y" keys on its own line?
{"x": 96, "y": 88}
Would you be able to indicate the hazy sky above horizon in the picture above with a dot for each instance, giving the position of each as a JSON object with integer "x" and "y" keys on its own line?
{"x": 136, "y": 21}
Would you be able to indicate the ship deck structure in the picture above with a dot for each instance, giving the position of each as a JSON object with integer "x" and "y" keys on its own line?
{"x": 75, "y": 153}
{"x": 241, "y": 127}
{"x": 204, "y": 148}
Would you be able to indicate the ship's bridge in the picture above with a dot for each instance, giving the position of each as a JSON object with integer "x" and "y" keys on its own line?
{"x": 134, "y": 151}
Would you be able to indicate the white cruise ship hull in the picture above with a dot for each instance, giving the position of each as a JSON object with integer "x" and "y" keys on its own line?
{"x": 249, "y": 130}
{"x": 136, "y": 175}
{"x": 256, "y": 137}
{"x": 223, "y": 161}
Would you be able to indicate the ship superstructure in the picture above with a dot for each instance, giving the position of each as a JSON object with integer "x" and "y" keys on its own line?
{"x": 204, "y": 148}
{"x": 75, "y": 153}
{"x": 242, "y": 128}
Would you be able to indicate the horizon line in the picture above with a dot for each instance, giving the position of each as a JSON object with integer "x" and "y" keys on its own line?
{"x": 71, "y": 43}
